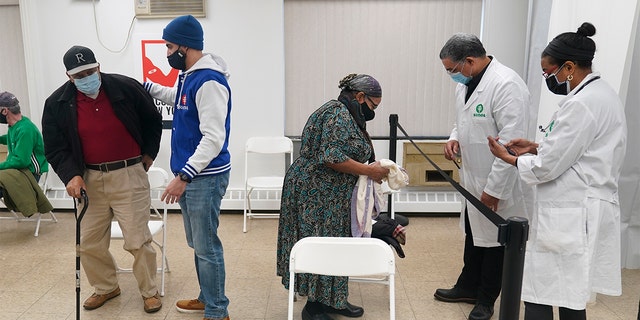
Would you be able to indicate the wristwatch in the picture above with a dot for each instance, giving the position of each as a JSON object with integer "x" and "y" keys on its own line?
{"x": 184, "y": 177}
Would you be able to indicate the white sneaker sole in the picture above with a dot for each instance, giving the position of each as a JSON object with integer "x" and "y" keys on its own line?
{"x": 189, "y": 310}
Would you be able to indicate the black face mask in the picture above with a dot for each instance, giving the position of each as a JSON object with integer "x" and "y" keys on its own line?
{"x": 561, "y": 88}
{"x": 367, "y": 112}
{"x": 178, "y": 60}
{"x": 3, "y": 118}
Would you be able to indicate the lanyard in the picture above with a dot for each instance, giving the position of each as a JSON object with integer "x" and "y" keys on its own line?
{"x": 550, "y": 125}
{"x": 586, "y": 83}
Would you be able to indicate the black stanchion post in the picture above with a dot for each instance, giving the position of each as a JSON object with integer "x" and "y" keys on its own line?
{"x": 513, "y": 236}
{"x": 393, "y": 141}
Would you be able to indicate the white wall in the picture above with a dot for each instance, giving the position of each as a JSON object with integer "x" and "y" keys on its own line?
{"x": 247, "y": 34}
{"x": 504, "y": 30}
{"x": 612, "y": 20}
{"x": 630, "y": 177}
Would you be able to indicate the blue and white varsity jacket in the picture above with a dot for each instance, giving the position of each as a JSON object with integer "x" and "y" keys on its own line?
{"x": 201, "y": 117}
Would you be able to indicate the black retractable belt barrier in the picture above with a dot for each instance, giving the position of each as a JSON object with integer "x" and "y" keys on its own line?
{"x": 512, "y": 234}
{"x": 486, "y": 211}
{"x": 393, "y": 141}
{"x": 513, "y": 237}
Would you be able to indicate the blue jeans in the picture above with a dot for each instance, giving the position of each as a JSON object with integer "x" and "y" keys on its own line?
{"x": 200, "y": 206}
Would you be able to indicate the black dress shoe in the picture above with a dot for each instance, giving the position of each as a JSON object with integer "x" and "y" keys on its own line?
{"x": 306, "y": 315}
{"x": 455, "y": 294}
{"x": 350, "y": 311}
{"x": 481, "y": 312}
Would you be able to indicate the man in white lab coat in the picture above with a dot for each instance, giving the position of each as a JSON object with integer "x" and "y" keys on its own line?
{"x": 491, "y": 100}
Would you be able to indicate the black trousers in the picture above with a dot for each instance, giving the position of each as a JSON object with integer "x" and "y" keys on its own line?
{"x": 533, "y": 311}
{"x": 482, "y": 271}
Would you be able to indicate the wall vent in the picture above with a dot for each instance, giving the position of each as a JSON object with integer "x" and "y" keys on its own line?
{"x": 169, "y": 8}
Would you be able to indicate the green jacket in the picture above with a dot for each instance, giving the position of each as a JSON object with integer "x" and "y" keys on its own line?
{"x": 25, "y": 147}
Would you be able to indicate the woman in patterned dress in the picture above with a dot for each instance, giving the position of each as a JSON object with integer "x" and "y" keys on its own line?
{"x": 316, "y": 197}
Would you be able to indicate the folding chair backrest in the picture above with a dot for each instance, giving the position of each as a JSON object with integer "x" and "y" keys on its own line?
{"x": 43, "y": 183}
{"x": 157, "y": 177}
{"x": 269, "y": 145}
{"x": 264, "y": 170}
{"x": 335, "y": 256}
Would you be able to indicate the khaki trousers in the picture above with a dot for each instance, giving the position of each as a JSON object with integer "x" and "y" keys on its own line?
{"x": 122, "y": 195}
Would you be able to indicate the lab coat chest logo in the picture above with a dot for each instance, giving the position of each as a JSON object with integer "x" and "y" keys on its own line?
{"x": 479, "y": 111}
{"x": 547, "y": 129}
{"x": 183, "y": 103}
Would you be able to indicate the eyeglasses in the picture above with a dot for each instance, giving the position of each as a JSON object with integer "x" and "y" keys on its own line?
{"x": 451, "y": 71}
{"x": 553, "y": 72}
{"x": 375, "y": 106}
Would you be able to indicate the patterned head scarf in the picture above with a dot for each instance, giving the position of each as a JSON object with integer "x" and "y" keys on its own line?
{"x": 361, "y": 82}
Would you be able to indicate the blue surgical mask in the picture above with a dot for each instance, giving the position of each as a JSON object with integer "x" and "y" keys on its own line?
{"x": 458, "y": 76}
{"x": 88, "y": 85}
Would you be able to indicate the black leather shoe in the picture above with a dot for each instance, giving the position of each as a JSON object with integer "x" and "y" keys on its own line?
{"x": 455, "y": 295}
{"x": 481, "y": 312}
{"x": 350, "y": 311}
{"x": 306, "y": 315}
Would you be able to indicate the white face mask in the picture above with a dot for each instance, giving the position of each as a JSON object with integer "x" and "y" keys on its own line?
{"x": 88, "y": 85}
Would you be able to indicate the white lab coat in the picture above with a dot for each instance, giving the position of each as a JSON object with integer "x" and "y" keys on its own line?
{"x": 499, "y": 106}
{"x": 574, "y": 237}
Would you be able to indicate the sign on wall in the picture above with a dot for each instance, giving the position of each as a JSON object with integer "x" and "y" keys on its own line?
{"x": 156, "y": 69}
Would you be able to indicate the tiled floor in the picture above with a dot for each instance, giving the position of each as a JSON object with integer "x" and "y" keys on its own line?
{"x": 37, "y": 275}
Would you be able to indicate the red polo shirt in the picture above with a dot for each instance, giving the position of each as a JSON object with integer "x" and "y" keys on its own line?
{"x": 103, "y": 136}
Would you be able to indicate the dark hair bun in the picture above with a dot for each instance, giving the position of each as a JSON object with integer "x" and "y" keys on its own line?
{"x": 586, "y": 29}
{"x": 345, "y": 82}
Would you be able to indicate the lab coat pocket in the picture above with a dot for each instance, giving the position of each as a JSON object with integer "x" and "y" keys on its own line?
{"x": 562, "y": 230}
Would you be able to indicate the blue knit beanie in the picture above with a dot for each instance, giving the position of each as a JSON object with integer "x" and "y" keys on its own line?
{"x": 185, "y": 31}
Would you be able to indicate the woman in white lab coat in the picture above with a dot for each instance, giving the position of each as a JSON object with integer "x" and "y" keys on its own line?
{"x": 574, "y": 241}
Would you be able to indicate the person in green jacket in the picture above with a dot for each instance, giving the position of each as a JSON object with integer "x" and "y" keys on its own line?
{"x": 23, "y": 139}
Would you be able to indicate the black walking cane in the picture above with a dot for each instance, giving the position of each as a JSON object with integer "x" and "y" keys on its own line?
{"x": 83, "y": 193}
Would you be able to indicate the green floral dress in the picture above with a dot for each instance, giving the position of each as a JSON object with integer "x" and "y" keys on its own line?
{"x": 316, "y": 200}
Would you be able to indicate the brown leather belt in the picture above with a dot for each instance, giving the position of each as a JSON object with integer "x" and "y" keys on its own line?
{"x": 115, "y": 165}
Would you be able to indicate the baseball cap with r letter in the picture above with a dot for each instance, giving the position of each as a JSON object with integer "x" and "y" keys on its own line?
{"x": 78, "y": 59}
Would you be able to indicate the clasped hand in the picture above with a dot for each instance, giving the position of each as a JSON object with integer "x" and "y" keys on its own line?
{"x": 377, "y": 172}
{"x": 518, "y": 146}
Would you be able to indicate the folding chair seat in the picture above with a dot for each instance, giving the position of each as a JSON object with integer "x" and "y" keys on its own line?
{"x": 158, "y": 179}
{"x": 259, "y": 175}
{"x": 334, "y": 256}
{"x": 36, "y": 217}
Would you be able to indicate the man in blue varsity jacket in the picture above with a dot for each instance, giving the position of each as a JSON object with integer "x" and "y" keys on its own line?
{"x": 200, "y": 159}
